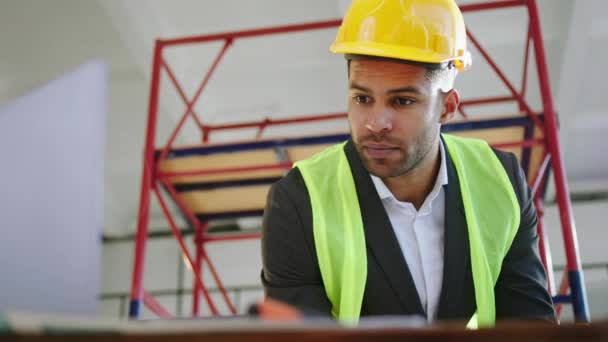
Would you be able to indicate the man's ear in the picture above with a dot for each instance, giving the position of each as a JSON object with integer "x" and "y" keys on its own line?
{"x": 451, "y": 100}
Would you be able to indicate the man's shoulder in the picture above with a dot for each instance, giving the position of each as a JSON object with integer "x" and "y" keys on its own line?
{"x": 288, "y": 210}
{"x": 322, "y": 160}
{"x": 506, "y": 159}
{"x": 513, "y": 169}
{"x": 292, "y": 185}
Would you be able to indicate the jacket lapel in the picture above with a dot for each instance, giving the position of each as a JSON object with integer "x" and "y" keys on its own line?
{"x": 380, "y": 237}
{"x": 457, "y": 293}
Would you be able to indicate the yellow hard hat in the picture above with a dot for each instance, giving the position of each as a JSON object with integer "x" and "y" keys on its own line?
{"x": 428, "y": 31}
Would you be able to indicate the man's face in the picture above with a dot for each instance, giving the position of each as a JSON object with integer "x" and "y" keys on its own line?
{"x": 395, "y": 114}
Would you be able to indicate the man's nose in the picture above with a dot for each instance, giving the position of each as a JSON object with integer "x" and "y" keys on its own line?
{"x": 380, "y": 121}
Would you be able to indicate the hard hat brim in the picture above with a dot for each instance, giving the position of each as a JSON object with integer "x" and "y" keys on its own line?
{"x": 390, "y": 51}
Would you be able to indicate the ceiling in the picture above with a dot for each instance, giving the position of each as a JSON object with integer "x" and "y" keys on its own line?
{"x": 281, "y": 75}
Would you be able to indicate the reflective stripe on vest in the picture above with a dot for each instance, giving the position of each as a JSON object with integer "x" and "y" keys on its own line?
{"x": 491, "y": 209}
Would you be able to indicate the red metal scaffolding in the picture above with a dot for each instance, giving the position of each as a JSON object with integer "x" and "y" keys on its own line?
{"x": 154, "y": 179}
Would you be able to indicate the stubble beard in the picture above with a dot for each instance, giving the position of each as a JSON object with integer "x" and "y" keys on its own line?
{"x": 406, "y": 162}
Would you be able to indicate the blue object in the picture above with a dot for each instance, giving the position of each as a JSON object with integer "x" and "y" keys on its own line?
{"x": 563, "y": 299}
{"x": 579, "y": 296}
{"x": 134, "y": 308}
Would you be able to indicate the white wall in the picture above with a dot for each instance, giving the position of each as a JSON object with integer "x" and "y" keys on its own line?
{"x": 238, "y": 264}
{"x": 590, "y": 218}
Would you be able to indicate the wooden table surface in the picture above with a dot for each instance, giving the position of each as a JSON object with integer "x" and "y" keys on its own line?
{"x": 519, "y": 332}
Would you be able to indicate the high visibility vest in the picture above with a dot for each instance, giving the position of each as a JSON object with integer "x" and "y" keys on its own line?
{"x": 491, "y": 209}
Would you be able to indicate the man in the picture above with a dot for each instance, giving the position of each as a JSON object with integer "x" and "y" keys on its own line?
{"x": 401, "y": 220}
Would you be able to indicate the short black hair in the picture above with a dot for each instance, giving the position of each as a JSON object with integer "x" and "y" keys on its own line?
{"x": 434, "y": 71}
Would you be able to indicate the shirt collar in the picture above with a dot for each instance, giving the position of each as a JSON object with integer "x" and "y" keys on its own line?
{"x": 441, "y": 180}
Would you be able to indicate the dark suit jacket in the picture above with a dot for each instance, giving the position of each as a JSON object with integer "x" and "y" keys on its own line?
{"x": 291, "y": 272}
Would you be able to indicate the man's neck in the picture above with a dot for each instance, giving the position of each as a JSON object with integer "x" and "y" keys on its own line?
{"x": 415, "y": 185}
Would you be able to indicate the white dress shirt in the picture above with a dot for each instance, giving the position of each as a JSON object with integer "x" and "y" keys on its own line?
{"x": 420, "y": 235}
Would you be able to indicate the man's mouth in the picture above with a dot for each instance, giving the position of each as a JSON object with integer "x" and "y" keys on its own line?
{"x": 379, "y": 151}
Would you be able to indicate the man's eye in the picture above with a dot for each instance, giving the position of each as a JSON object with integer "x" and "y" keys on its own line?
{"x": 362, "y": 99}
{"x": 403, "y": 101}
